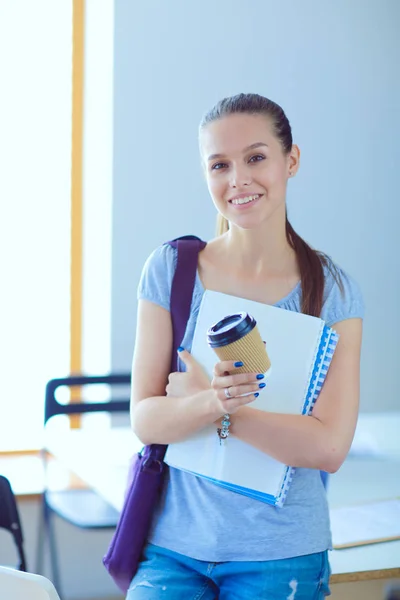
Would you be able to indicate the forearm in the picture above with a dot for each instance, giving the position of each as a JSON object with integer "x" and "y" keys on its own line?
{"x": 295, "y": 440}
{"x": 167, "y": 419}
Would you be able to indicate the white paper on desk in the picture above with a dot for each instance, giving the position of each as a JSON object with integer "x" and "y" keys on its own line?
{"x": 365, "y": 523}
{"x": 292, "y": 340}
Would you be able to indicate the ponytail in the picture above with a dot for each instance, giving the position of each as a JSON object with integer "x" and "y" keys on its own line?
{"x": 312, "y": 277}
{"x": 222, "y": 225}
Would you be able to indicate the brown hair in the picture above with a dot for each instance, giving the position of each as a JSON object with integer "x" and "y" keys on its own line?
{"x": 311, "y": 262}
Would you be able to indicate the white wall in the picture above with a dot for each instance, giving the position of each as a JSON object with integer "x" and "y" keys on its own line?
{"x": 332, "y": 67}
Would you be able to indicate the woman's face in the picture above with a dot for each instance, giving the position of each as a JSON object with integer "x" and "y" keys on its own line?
{"x": 246, "y": 169}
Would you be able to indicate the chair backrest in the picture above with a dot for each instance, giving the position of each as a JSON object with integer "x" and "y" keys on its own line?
{"x": 9, "y": 519}
{"x": 53, "y": 407}
{"x": 17, "y": 585}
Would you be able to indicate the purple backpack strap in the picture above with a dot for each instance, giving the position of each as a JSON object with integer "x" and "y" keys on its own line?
{"x": 188, "y": 248}
{"x": 148, "y": 468}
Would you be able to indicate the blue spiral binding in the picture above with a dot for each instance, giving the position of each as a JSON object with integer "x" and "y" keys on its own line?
{"x": 326, "y": 349}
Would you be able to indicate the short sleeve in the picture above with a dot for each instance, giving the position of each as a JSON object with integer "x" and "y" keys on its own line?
{"x": 156, "y": 279}
{"x": 342, "y": 297}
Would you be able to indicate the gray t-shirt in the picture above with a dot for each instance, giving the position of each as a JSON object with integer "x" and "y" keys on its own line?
{"x": 204, "y": 521}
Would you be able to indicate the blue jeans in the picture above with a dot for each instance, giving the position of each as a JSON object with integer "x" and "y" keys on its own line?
{"x": 166, "y": 575}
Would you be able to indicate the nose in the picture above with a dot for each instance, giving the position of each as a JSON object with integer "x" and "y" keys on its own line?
{"x": 240, "y": 176}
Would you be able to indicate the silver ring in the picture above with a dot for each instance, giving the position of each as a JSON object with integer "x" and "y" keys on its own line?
{"x": 227, "y": 393}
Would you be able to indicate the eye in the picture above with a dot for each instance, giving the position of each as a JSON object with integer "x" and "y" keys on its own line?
{"x": 218, "y": 166}
{"x": 256, "y": 158}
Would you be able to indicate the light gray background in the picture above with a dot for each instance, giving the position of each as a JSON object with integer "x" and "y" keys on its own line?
{"x": 333, "y": 66}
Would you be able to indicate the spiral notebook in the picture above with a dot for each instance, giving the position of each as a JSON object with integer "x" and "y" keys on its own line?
{"x": 300, "y": 348}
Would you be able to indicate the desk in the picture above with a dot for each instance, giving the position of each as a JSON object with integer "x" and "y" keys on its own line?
{"x": 360, "y": 480}
{"x": 101, "y": 459}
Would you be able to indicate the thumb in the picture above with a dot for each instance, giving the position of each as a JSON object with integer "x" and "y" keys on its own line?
{"x": 186, "y": 358}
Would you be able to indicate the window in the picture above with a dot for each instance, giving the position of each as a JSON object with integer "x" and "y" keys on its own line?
{"x": 35, "y": 124}
{"x": 35, "y": 204}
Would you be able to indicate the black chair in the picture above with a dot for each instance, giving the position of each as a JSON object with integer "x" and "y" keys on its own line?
{"x": 393, "y": 591}
{"x": 83, "y": 508}
{"x": 9, "y": 519}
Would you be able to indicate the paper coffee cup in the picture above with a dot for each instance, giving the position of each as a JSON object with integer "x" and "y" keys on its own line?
{"x": 236, "y": 337}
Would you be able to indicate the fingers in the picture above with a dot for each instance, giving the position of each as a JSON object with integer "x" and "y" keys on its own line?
{"x": 186, "y": 358}
{"x": 237, "y": 391}
{"x": 169, "y": 386}
{"x": 226, "y": 366}
{"x": 240, "y": 379}
{"x": 233, "y": 404}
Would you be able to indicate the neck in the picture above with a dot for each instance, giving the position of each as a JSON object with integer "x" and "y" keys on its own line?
{"x": 260, "y": 250}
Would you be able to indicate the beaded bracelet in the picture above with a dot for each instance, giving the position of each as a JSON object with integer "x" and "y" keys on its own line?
{"x": 223, "y": 431}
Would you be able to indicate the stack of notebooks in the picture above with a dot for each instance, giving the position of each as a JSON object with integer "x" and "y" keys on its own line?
{"x": 300, "y": 348}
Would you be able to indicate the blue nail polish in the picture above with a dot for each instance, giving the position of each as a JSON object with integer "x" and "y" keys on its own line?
{"x": 261, "y": 385}
{"x": 238, "y": 364}
{"x": 260, "y": 376}
{"x": 181, "y": 349}
{"x": 256, "y": 394}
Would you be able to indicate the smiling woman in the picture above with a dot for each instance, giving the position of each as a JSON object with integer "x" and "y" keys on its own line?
{"x": 277, "y": 160}
{"x": 207, "y": 541}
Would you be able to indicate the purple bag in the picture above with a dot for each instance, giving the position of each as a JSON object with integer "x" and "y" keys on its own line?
{"x": 147, "y": 469}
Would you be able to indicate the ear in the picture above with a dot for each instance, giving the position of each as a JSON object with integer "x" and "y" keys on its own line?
{"x": 293, "y": 162}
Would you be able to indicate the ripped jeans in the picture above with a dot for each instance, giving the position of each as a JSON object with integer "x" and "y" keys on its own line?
{"x": 166, "y": 575}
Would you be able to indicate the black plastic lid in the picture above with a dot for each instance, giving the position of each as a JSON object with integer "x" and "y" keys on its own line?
{"x": 230, "y": 329}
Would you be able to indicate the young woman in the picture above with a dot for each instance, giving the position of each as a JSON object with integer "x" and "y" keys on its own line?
{"x": 207, "y": 542}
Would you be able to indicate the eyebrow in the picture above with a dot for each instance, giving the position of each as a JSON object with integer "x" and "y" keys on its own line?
{"x": 251, "y": 147}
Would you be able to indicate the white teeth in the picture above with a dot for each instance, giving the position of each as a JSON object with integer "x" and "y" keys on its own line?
{"x": 245, "y": 200}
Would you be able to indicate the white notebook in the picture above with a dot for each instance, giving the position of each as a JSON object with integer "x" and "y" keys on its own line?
{"x": 363, "y": 524}
{"x": 300, "y": 348}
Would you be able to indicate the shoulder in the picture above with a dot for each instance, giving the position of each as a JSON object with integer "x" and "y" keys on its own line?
{"x": 157, "y": 274}
{"x": 342, "y": 295}
{"x": 163, "y": 257}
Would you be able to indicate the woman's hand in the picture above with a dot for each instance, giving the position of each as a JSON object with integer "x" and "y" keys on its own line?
{"x": 234, "y": 391}
{"x": 231, "y": 391}
{"x": 190, "y": 382}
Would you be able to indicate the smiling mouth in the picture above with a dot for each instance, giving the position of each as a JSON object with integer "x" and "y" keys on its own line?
{"x": 246, "y": 200}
